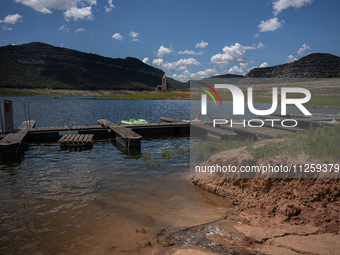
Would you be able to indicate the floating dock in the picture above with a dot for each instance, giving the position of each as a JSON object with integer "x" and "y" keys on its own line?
{"x": 303, "y": 121}
{"x": 125, "y": 136}
{"x": 205, "y": 128}
{"x": 130, "y": 136}
{"x": 266, "y": 132}
{"x": 74, "y": 140}
{"x": 12, "y": 143}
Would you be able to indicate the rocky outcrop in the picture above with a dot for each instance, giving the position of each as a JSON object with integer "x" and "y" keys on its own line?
{"x": 316, "y": 64}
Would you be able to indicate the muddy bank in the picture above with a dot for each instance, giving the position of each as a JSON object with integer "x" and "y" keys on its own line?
{"x": 276, "y": 216}
{"x": 293, "y": 201}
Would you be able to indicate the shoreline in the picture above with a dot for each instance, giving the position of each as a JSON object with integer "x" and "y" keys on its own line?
{"x": 321, "y": 101}
{"x": 276, "y": 216}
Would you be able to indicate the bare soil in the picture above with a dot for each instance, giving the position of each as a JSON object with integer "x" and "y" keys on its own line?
{"x": 277, "y": 216}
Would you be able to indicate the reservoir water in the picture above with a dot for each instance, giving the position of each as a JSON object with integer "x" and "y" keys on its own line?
{"x": 101, "y": 200}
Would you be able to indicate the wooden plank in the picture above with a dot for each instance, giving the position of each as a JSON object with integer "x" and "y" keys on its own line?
{"x": 64, "y": 128}
{"x": 76, "y": 140}
{"x": 63, "y": 138}
{"x": 170, "y": 120}
{"x": 304, "y": 121}
{"x": 14, "y": 140}
{"x": 89, "y": 137}
{"x": 81, "y": 138}
{"x": 267, "y": 132}
{"x": 30, "y": 124}
{"x": 16, "y": 136}
{"x": 120, "y": 129}
{"x": 125, "y": 136}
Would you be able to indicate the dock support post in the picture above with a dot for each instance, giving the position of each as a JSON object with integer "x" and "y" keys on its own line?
{"x": 8, "y": 115}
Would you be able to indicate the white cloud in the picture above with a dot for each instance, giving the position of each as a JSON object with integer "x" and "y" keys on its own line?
{"x": 158, "y": 62}
{"x": 290, "y": 59}
{"x": 260, "y": 45}
{"x": 195, "y": 76}
{"x": 257, "y": 35}
{"x": 204, "y": 74}
{"x": 117, "y": 36}
{"x": 242, "y": 70}
{"x": 109, "y": 7}
{"x": 12, "y": 19}
{"x": 187, "y": 62}
{"x": 182, "y": 77}
{"x": 234, "y": 53}
{"x": 78, "y": 13}
{"x": 163, "y": 51}
{"x": 265, "y": 64}
{"x": 7, "y": 28}
{"x": 303, "y": 49}
{"x": 166, "y": 67}
{"x": 281, "y": 5}
{"x": 270, "y": 25}
{"x": 146, "y": 60}
{"x": 45, "y": 6}
{"x": 78, "y": 30}
{"x": 64, "y": 28}
{"x": 201, "y": 45}
{"x": 182, "y": 68}
{"x": 191, "y": 52}
{"x": 173, "y": 66}
{"x": 134, "y": 36}
{"x": 301, "y": 52}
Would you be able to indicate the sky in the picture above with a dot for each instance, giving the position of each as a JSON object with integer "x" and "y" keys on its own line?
{"x": 186, "y": 39}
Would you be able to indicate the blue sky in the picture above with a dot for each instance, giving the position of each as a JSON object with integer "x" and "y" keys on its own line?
{"x": 186, "y": 39}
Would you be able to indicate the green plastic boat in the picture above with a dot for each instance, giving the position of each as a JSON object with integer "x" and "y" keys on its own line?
{"x": 134, "y": 122}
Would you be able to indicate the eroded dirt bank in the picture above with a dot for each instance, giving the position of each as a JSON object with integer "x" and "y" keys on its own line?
{"x": 277, "y": 216}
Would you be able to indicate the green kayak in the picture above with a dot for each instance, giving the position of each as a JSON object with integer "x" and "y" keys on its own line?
{"x": 134, "y": 122}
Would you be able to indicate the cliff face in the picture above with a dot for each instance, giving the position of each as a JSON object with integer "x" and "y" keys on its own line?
{"x": 316, "y": 64}
{"x": 39, "y": 65}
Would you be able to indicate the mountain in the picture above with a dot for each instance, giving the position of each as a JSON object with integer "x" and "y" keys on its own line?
{"x": 312, "y": 65}
{"x": 228, "y": 76}
{"x": 40, "y": 65}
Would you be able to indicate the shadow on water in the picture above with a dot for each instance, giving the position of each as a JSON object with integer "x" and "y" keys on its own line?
{"x": 11, "y": 159}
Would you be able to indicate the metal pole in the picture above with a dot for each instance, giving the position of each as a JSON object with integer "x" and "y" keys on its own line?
{"x": 2, "y": 122}
{"x": 25, "y": 114}
{"x": 29, "y": 114}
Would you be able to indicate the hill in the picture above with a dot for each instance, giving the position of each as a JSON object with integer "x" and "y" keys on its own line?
{"x": 312, "y": 65}
{"x": 228, "y": 76}
{"x": 40, "y": 65}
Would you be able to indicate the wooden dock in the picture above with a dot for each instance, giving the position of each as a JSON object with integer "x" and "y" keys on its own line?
{"x": 205, "y": 128}
{"x": 76, "y": 140}
{"x": 266, "y": 132}
{"x": 317, "y": 120}
{"x": 126, "y": 137}
{"x": 130, "y": 136}
{"x": 12, "y": 143}
{"x": 210, "y": 131}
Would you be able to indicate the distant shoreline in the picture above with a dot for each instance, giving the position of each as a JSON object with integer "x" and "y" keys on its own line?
{"x": 320, "y": 99}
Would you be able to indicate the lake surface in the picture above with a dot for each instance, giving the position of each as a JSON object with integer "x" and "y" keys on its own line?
{"x": 56, "y": 201}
